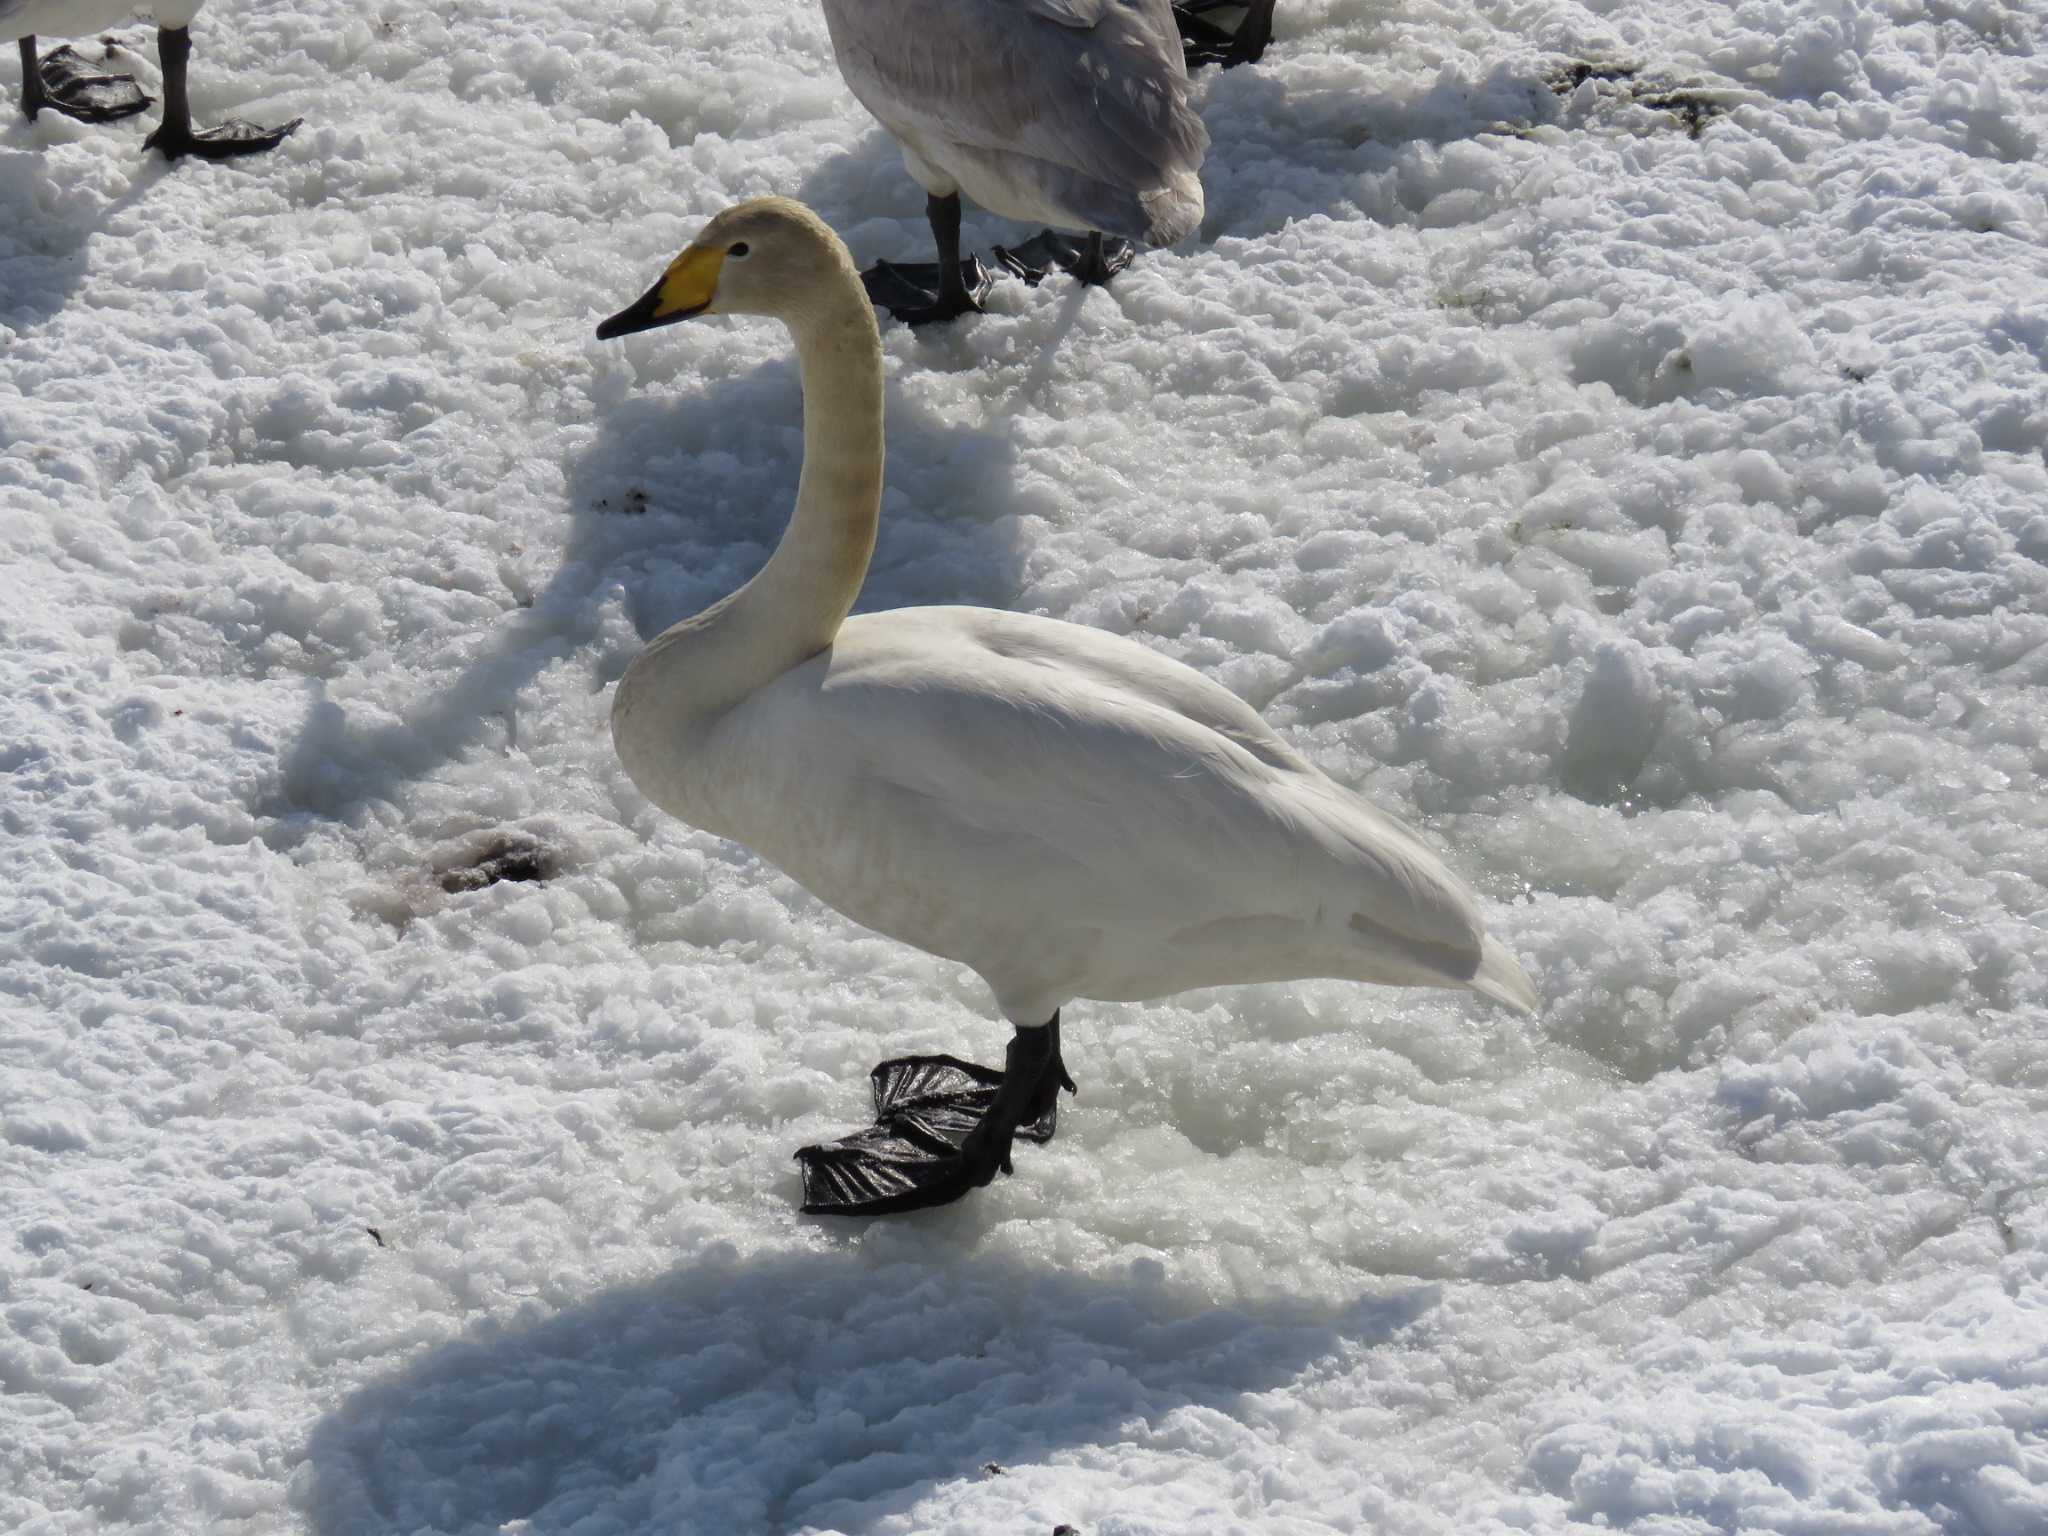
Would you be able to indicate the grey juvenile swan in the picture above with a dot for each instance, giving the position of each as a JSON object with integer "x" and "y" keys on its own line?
{"x": 1070, "y": 113}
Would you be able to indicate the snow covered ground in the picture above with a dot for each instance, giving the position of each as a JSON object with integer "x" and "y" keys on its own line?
{"x": 1611, "y": 435}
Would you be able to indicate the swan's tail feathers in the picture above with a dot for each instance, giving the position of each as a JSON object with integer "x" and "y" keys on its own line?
{"x": 1173, "y": 210}
{"x": 1500, "y": 976}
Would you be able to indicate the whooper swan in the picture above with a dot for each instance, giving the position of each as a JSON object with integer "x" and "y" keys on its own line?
{"x": 1062, "y": 810}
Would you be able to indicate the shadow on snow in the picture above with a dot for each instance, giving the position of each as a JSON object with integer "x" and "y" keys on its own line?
{"x": 812, "y": 1390}
{"x": 678, "y": 500}
{"x": 47, "y": 223}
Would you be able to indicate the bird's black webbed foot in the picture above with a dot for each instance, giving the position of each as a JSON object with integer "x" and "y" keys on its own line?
{"x": 942, "y": 1127}
{"x": 947, "y": 1097}
{"x": 1093, "y": 260}
{"x": 175, "y": 135}
{"x": 1204, "y": 40}
{"x": 231, "y": 140}
{"x": 917, "y": 294}
{"x": 64, "y": 82}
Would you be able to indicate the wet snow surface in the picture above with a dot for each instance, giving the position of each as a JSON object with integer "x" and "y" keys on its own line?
{"x": 1610, "y": 436}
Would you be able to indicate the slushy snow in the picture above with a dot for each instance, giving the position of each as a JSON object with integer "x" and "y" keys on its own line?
{"x": 1611, "y": 436}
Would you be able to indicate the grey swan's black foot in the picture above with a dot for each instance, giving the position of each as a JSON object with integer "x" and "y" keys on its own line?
{"x": 943, "y": 1127}
{"x": 1094, "y": 260}
{"x": 63, "y": 81}
{"x": 927, "y": 292}
{"x": 917, "y": 294}
{"x": 175, "y": 135}
{"x": 230, "y": 140}
{"x": 1204, "y": 41}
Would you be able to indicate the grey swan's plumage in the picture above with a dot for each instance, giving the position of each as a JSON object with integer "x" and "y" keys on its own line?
{"x": 1068, "y": 113}
{"x": 62, "y": 82}
{"x": 1063, "y": 810}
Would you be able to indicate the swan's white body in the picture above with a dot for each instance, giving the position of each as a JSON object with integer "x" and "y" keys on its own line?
{"x": 1063, "y": 810}
{"x": 1072, "y": 113}
{"x": 82, "y": 18}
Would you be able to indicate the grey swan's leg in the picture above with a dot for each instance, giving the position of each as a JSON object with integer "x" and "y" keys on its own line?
{"x": 174, "y": 135}
{"x": 61, "y": 82}
{"x": 942, "y": 1127}
{"x": 1094, "y": 260}
{"x": 1205, "y": 42}
{"x": 923, "y": 293}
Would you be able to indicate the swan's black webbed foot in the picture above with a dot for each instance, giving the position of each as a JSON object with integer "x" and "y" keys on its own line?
{"x": 63, "y": 81}
{"x": 175, "y": 135}
{"x": 917, "y": 294}
{"x": 1094, "y": 260}
{"x": 230, "y": 140}
{"x": 1205, "y": 41}
{"x": 927, "y": 292}
{"x": 942, "y": 1127}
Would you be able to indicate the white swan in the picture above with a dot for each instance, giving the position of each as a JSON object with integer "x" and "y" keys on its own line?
{"x": 61, "y": 81}
{"x": 1062, "y": 810}
{"x": 1071, "y": 113}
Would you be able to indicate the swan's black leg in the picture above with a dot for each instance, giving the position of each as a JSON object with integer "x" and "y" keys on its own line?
{"x": 174, "y": 135}
{"x": 921, "y": 293}
{"x": 1094, "y": 260}
{"x": 943, "y": 214}
{"x": 61, "y": 81}
{"x": 1205, "y": 42}
{"x": 33, "y": 96}
{"x": 942, "y": 1127}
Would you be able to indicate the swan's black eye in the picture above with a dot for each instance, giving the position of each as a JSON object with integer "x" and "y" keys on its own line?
{"x": 737, "y": 248}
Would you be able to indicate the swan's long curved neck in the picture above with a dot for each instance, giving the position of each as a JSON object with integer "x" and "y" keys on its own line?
{"x": 793, "y": 607}
{"x": 811, "y": 581}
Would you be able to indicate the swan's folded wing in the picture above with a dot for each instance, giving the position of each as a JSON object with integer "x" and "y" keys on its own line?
{"x": 1120, "y": 780}
{"x": 1094, "y": 86}
{"x": 1078, "y": 14}
{"x": 1122, "y": 666}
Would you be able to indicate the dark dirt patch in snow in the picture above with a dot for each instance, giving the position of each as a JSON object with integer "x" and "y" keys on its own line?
{"x": 508, "y": 856}
{"x": 1572, "y": 74}
{"x": 1693, "y": 106}
{"x": 632, "y": 503}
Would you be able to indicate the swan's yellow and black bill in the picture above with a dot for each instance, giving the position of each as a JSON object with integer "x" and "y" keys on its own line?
{"x": 685, "y": 289}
